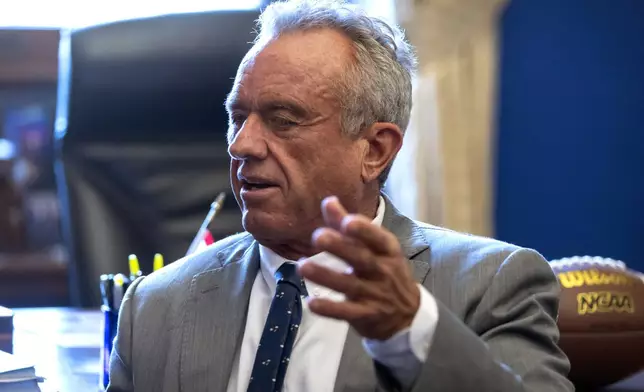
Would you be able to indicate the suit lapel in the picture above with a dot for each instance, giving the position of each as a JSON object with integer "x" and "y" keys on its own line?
{"x": 357, "y": 372}
{"x": 214, "y": 322}
{"x": 411, "y": 237}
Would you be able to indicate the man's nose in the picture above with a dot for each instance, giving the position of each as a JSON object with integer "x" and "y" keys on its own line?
{"x": 249, "y": 141}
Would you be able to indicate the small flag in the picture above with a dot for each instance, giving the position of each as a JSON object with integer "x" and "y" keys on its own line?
{"x": 207, "y": 240}
{"x": 203, "y": 237}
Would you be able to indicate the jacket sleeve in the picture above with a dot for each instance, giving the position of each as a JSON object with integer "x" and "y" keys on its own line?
{"x": 508, "y": 342}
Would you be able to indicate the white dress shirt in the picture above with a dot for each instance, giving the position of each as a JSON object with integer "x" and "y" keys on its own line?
{"x": 320, "y": 341}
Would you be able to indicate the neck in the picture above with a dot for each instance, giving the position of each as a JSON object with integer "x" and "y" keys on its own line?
{"x": 292, "y": 251}
{"x": 295, "y": 249}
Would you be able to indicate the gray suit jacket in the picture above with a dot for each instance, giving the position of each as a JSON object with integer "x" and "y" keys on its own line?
{"x": 181, "y": 327}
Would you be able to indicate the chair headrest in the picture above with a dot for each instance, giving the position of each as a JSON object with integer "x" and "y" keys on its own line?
{"x": 168, "y": 75}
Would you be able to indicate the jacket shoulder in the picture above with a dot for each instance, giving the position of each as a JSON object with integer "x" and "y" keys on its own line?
{"x": 171, "y": 284}
{"x": 468, "y": 256}
{"x": 445, "y": 242}
{"x": 464, "y": 263}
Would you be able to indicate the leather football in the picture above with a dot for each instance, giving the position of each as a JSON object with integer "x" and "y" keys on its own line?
{"x": 601, "y": 319}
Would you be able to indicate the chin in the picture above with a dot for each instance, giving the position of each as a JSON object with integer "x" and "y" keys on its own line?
{"x": 267, "y": 225}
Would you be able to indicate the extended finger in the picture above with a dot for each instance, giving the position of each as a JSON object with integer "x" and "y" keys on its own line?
{"x": 333, "y": 212}
{"x": 355, "y": 253}
{"x": 374, "y": 237}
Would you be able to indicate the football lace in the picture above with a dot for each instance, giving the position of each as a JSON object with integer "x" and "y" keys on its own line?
{"x": 607, "y": 262}
{"x": 576, "y": 260}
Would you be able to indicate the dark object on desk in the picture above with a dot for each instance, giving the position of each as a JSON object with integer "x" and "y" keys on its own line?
{"x": 110, "y": 322}
{"x": 6, "y": 330}
{"x": 601, "y": 319}
{"x": 141, "y": 138}
{"x": 113, "y": 288}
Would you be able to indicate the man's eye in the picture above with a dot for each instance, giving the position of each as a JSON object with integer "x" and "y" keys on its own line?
{"x": 282, "y": 122}
{"x": 237, "y": 120}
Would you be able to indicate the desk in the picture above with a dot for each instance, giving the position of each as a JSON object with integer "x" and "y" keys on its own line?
{"x": 64, "y": 344}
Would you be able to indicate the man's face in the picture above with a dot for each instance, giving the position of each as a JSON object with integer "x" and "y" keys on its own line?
{"x": 285, "y": 141}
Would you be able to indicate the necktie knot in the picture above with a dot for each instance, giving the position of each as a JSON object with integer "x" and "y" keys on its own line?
{"x": 287, "y": 274}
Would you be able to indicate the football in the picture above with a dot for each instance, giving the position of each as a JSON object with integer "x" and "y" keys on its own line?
{"x": 601, "y": 319}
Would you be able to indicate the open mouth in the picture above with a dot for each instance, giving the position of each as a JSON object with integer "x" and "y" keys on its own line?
{"x": 253, "y": 186}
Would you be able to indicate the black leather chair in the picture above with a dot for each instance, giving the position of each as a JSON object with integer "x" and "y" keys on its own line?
{"x": 140, "y": 138}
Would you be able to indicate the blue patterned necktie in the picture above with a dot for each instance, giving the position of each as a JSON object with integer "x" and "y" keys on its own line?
{"x": 282, "y": 324}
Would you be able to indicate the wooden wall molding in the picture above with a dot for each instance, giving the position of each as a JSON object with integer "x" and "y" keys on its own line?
{"x": 28, "y": 56}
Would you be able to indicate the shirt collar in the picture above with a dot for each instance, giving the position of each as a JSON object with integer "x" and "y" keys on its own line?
{"x": 271, "y": 261}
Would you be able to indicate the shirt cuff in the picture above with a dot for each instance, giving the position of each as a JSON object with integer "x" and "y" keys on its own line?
{"x": 405, "y": 352}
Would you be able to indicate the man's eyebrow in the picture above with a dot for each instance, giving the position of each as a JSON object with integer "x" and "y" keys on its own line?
{"x": 298, "y": 109}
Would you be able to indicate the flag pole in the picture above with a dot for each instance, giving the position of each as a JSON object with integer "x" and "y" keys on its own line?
{"x": 215, "y": 207}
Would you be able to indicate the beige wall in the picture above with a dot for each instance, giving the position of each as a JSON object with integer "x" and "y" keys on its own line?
{"x": 444, "y": 173}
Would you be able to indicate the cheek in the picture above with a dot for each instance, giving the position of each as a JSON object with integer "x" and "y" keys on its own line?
{"x": 323, "y": 164}
{"x": 298, "y": 164}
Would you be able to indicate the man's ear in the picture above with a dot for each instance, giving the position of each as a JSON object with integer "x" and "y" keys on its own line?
{"x": 383, "y": 143}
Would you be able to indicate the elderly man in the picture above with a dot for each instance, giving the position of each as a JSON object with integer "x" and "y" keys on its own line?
{"x": 331, "y": 288}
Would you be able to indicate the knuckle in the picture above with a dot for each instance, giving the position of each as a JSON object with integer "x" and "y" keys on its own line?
{"x": 394, "y": 246}
{"x": 365, "y": 256}
{"x": 374, "y": 313}
{"x": 357, "y": 289}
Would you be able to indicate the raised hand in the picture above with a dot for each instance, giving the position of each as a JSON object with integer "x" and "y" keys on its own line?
{"x": 381, "y": 294}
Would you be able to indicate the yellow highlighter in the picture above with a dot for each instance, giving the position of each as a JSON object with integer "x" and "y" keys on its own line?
{"x": 135, "y": 269}
{"x": 158, "y": 262}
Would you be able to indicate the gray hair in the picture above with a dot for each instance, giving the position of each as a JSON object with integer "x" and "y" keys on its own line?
{"x": 378, "y": 85}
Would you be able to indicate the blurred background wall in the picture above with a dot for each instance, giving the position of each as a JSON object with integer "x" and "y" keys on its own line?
{"x": 570, "y": 163}
{"x": 527, "y": 123}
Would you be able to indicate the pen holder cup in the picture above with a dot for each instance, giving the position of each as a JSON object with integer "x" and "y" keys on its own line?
{"x": 110, "y": 321}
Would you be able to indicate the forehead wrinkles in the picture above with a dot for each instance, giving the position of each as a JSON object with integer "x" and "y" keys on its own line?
{"x": 272, "y": 75}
